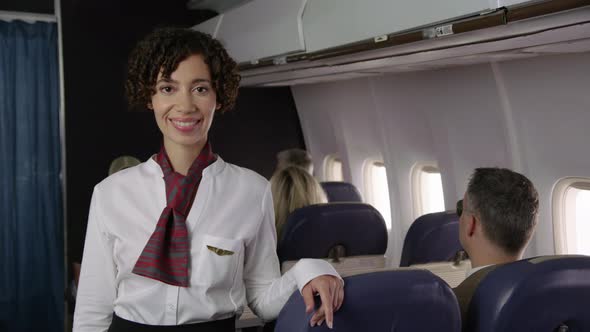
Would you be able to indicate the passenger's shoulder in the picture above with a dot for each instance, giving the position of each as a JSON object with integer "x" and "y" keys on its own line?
{"x": 473, "y": 280}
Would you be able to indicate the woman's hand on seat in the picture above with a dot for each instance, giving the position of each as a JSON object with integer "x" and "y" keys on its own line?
{"x": 331, "y": 291}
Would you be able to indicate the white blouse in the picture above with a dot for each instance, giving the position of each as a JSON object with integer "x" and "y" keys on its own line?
{"x": 232, "y": 211}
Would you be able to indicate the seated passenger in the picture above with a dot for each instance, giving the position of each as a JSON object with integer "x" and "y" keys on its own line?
{"x": 295, "y": 157}
{"x": 293, "y": 188}
{"x": 497, "y": 217}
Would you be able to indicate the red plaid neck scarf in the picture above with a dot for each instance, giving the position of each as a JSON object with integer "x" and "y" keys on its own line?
{"x": 166, "y": 254}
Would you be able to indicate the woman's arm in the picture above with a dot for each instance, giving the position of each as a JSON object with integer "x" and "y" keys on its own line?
{"x": 266, "y": 290}
{"x": 97, "y": 289}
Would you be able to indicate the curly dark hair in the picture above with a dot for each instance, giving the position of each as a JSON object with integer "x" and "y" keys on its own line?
{"x": 507, "y": 203}
{"x": 162, "y": 51}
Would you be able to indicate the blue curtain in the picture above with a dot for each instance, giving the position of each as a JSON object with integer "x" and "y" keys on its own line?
{"x": 31, "y": 217}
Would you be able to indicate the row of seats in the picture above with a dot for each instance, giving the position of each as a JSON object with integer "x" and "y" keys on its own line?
{"x": 550, "y": 293}
{"x": 540, "y": 294}
{"x": 353, "y": 238}
{"x": 351, "y": 229}
{"x": 341, "y": 192}
{"x": 431, "y": 238}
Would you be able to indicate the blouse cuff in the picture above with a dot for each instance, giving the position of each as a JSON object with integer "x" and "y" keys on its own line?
{"x": 308, "y": 269}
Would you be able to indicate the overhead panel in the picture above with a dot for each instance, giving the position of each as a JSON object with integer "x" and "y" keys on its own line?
{"x": 210, "y": 26}
{"x": 261, "y": 29}
{"x": 331, "y": 23}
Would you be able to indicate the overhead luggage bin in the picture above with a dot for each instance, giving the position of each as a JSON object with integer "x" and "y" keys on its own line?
{"x": 259, "y": 29}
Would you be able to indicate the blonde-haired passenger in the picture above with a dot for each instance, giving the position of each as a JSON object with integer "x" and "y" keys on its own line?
{"x": 293, "y": 188}
{"x": 295, "y": 157}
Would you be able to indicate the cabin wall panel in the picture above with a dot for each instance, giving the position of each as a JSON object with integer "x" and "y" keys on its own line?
{"x": 467, "y": 124}
{"x": 550, "y": 100}
{"x": 431, "y": 114}
{"x": 528, "y": 115}
{"x": 319, "y": 128}
{"x": 357, "y": 124}
{"x": 406, "y": 139}
{"x": 404, "y": 119}
{"x": 339, "y": 118}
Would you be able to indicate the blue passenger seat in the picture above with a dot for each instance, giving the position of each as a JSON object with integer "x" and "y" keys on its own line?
{"x": 433, "y": 237}
{"x": 549, "y": 293}
{"x": 400, "y": 301}
{"x": 315, "y": 231}
{"x": 341, "y": 192}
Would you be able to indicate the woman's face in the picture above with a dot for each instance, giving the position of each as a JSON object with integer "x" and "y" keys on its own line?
{"x": 185, "y": 103}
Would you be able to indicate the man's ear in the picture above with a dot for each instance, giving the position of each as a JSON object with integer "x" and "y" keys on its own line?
{"x": 217, "y": 106}
{"x": 472, "y": 225}
{"x": 150, "y": 106}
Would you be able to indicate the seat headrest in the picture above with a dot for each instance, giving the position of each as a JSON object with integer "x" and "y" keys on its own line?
{"x": 410, "y": 300}
{"x": 312, "y": 231}
{"x": 341, "y": 192}
{"x": 538, "y": 294}
{"x": 433, "y": 237}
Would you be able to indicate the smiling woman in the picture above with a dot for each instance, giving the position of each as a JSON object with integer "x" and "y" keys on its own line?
{"x": 184, "y": 105}
{"x": 185, "y": 239}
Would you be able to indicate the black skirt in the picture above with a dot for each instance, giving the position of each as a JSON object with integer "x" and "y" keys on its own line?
{"x": 122, "y": 325}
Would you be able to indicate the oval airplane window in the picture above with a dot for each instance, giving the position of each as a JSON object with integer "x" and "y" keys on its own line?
{"x": 427, "y": 189}
{"x": 377, "y": 188}
{"x": 333, "y": 169}
{"x": 571, "y": 216}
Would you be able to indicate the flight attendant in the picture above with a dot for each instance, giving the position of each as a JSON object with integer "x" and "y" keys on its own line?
{"x": 183, "y": 241}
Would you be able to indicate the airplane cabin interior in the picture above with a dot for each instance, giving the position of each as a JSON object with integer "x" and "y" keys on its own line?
{"x": 448, "y": 141}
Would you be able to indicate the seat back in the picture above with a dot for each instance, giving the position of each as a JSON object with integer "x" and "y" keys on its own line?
{"x": 313, "y": 231}
{"x": 433, "y": 237}
{"x": 341, "y": 192}
{"x": 407, "y": 300}
{"x": 550, "y": 293}
{"x": 452, "y": 272}
{"x": 347, "y": 266}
